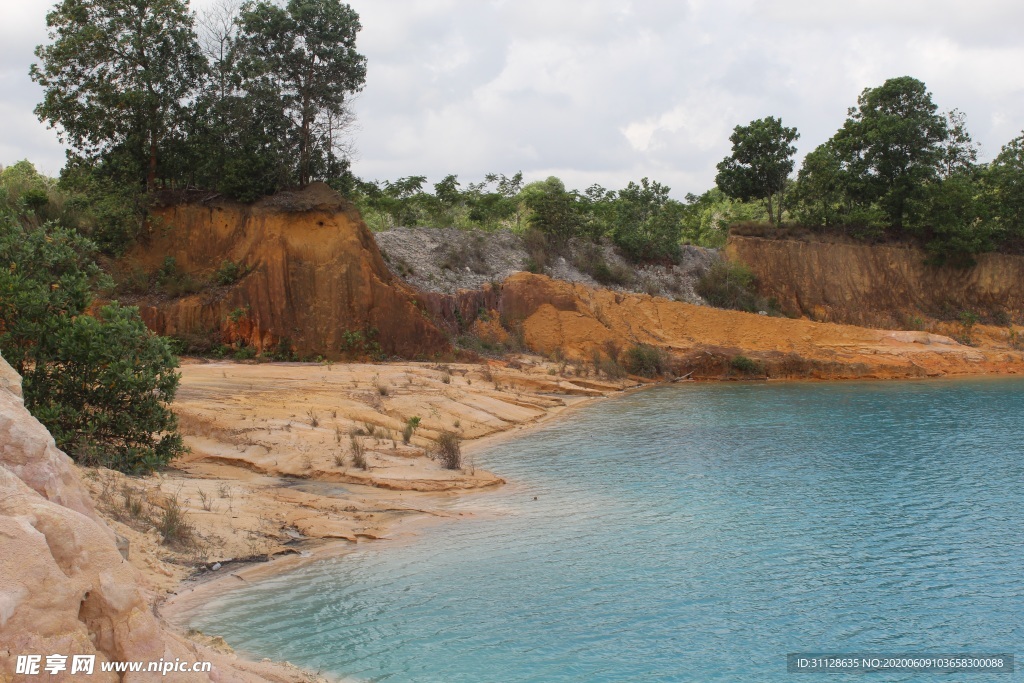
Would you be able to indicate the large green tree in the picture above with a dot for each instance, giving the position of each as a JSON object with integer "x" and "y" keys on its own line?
{"x": 305, "y": 54}
{"x": 760, "y": 164}
{"x": 893, "y": 145}
{"x": 1006, "y": 182}
{"x": 117, "y": 76}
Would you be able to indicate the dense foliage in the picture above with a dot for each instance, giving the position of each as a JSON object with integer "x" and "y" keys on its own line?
{"x": 898, "y": 168}
{"x": 257, "y": 103}
{"x": 760, "y": 164}
{"x": 101, "y": 384}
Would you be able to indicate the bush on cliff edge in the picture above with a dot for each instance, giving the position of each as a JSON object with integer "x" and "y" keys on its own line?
{"x": 101, "y": 384}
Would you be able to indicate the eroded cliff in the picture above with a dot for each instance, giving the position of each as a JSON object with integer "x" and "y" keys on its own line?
{"x": 575, "y": 321}
{"x": 883, "y": 285}
{"x": 311, "y": 276}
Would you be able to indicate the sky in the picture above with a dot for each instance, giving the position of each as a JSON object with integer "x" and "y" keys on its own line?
{"x": 608, "y": 91}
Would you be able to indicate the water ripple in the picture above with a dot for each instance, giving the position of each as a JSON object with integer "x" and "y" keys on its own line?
{"x": 688, "y": 533}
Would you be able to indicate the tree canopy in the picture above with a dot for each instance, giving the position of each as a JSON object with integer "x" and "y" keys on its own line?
{"x": 264, "y": 107}
{"x": 116, "y": 78}
{"x": 760, "y": 164}
{"x": 892, "y": 143}
{"x": 303, "y": 53}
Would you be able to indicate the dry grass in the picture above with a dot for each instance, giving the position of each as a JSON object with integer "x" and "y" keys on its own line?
{"x": 449, "y": 450}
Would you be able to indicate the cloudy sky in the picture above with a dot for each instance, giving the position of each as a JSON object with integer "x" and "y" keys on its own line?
{"x": 609, "y": 91}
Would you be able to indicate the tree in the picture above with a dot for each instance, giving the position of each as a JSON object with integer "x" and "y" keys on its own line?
{"x": 892, "y": 145}
{"x": 305, "y": 54}
{"x": 648, "y": 225}
{"x": 555, "y": 212}
{"x": 116, "y": 78}
{"x": 760, "y": 164}
{"x": 101, "y": 385}
{"x": 1006, "y": 180}
{"x": 104, "y": 390}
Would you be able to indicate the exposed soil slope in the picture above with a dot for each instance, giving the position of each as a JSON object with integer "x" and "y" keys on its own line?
{"x": 576, "y": 321}
{"x": 312, "y": 275}
{"x": 883, "y": 285}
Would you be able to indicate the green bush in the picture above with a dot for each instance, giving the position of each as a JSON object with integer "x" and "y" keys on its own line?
{"x": 747, "y": 366}
{"x": 646, "y": 360}
{"x": 102, "y": 384}
{"x": 104, "y": 392}
{"x": 230, "y": 272}
{"x": 730, "y": 285}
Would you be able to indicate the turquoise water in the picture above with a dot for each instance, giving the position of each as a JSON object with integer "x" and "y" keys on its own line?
{"x": 689, "y": 533}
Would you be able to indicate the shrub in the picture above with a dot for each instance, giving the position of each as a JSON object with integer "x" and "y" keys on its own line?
{"x": 173, "y": 525}
{"x": 746, "y": 365}
{"x": 410, "y": 426}
{"x": 730, "y": 285}
{"x": 101, "y": 385}
{"x": 591, "y": 261}
{"x": 358, "y": 454}
{"x": 229, "y": 272}
{"x": 646, "y": 360}
{"x": 538, "y": 247}
{"x": 449, "y": 450}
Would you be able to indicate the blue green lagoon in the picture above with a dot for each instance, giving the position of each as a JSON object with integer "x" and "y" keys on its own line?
{"x": 688, "y": 533}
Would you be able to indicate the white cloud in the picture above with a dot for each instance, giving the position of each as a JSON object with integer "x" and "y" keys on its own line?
{"x": 609, "y": 91}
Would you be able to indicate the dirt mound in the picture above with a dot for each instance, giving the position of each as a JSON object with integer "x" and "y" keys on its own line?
{"x": 309, "y": 276}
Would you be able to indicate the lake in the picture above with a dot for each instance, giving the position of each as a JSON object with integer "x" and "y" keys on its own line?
{"x": 695, "y": 532}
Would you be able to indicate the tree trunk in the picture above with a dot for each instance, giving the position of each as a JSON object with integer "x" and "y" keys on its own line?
{"x": 151, "y": 174}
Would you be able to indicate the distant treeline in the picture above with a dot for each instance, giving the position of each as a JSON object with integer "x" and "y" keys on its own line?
{"x": 897, "y": 169}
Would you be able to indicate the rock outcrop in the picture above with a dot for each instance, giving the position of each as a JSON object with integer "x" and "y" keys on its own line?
{"x": 311, "y": 276}
{"x": 882, "y": 285}
{"x": 64, "y": 586}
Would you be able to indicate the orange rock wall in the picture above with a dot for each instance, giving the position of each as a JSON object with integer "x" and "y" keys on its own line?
{"x": 314, "y": 273}
{"x": 576, "y": 322}
{"x": 877, "y": 285}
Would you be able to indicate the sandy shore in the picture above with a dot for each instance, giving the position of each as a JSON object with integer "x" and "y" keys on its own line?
{"x": 271, "y": 483}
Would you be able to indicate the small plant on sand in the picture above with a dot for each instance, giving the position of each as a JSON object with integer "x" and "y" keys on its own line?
{"x": 383, "y": 390}
{"x": 314, "y": 419}
{"x": 410, "y": 426}
{"x": 339, "y": 459}
{"x": 205, "y": 499}
{"x": 133, "y": 508}
{"x": 358, "y": 454}
{"x": 174, "y": 526}
{"x": 449, "y": 450}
